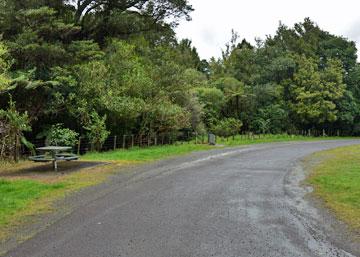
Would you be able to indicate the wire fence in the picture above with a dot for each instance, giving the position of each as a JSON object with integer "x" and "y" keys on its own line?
{"x": 129, "y": 141}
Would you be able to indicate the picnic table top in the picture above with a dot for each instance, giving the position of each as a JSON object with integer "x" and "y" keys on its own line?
{"x": 54, "y": 148}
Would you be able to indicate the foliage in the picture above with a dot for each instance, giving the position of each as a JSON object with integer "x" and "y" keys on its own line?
{"x": 4, "y": 68}
{"x": 315, "y": 92}
{"x": 12, "y": 126}
{"x": 59, "y": 136}
{"x": 227, "y": 127}
{"x": 97, "y": 132}
{"x": 62, "y": 61}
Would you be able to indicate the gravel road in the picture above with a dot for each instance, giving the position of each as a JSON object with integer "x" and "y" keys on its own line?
{"x": 234, "y": 202}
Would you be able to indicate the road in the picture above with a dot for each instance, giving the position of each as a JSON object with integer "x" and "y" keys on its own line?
{"x": 235, "y": 202}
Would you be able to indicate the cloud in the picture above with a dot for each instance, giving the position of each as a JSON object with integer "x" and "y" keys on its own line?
{"x": 212, "y": 21}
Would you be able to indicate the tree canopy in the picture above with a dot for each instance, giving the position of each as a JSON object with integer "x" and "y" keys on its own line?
{"x": 101, "y": 67}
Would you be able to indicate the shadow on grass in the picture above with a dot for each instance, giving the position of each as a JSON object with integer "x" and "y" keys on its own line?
{"x": 29, "y": 169}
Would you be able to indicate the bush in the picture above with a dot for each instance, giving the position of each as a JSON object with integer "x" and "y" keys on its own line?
{"x": 97, "y": 132}
{"x": 12, "y": 127}
{"x": 227, "y": 127}
{"x": 60, "y": 136}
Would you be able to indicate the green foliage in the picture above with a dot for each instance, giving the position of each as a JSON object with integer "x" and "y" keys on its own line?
{"x": 59, "y": 136}
{"x": 164, "y": 117}
{"x": 63, "y": 61}
{"x": 13, "y": 124}
{"x": 4, "y": 68}
{"x": 227, "y": 127}
{"x": 315, "y": 92}
{"x": 97, "y": 133}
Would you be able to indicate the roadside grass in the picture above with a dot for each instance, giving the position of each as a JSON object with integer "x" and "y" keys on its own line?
{"x": 154, "y": 153}
{"x": 25, "y": 193}
{"x": 15, "y": 195}
{"x": 147, "y": 154}
{"x": 335, "y": 177}
{"x": 21, "y": 198}
{"x": 259, "y": 139}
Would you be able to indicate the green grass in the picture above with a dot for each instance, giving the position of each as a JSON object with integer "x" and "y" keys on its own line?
{"x": 146, "y": 154}
{"x": 23, "y": 198}
{"x": 258, "y": 139}
{"x": 335, "y": 177}
{"x": 17, "y": 195}
{"x": 166, "y": 151}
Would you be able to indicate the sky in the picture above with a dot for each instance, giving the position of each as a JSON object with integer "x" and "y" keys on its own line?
{"x": 212, "y": 21}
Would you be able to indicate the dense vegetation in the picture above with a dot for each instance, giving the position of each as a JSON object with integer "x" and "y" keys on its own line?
{"x": 100, "y": 67}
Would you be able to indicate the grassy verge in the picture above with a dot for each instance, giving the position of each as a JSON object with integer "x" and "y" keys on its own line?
{"x": 22, "y": 197}
{"x": 258, "y": 139}
{"x": 335, "y": 177}
{"x": 166, "y": 151}
{"x": 15, "y": 195}
{"x": 147, "y": 154}
{"x": 24, "y": 193}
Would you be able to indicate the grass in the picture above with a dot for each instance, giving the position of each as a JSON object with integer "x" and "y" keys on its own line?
{"x": 22, "y": 198}
{"x": 24, "y": 194}
{"x": 16, "y": 195}
{"x": 335, "y": 176}
{"x": 147, "y": 154}
{"x": 258, "y": 139}
{"x": 161, "y": 152}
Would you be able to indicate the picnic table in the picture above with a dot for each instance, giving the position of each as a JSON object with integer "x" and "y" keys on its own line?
{"x": 56, "y": 154}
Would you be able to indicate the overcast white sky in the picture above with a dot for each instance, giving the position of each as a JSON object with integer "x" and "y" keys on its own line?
{"x": 212, "y": 21}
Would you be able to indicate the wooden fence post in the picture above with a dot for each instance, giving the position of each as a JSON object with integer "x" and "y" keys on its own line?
{"x": 115, "y": 137}
{"x": 132, "y": 141}
{"x": 78, "y": 146}
{"x": 124, "y": 142}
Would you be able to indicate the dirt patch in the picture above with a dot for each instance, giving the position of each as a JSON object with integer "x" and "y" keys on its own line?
{"x": 45, "y": 172}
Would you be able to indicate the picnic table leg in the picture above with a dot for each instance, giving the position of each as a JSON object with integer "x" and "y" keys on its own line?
{"x": 54, "y": 161}
{"x": 55, "y": 165}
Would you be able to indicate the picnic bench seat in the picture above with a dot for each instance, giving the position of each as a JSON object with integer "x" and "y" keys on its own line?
{"x": 54, "y": 155}
{"x": 59, "y": 157}
{"x": 41, "y": 158}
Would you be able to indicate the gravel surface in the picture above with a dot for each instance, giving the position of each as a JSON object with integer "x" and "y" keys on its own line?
{"x": 230, "y": 202}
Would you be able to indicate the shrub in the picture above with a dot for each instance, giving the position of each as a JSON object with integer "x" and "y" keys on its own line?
{"x": 227, "y": 127}
{"x": 60, "y": 136}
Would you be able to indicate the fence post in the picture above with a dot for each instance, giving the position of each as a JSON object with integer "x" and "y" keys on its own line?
{"x": 155, "y": 139}
{"x": 124, "y": 142}
{"x": 149, "y": 139}
{"x": 78, "y": 146}
{"x": 132, "y": 141}
{"x": 115, "y": 137}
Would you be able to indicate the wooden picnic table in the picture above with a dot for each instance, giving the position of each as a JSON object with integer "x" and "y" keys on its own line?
{"x": 55, "y": 155}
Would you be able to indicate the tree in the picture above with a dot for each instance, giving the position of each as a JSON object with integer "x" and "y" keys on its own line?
{"x": 59, "y": 136}
{"x": 227, "y": 127}
{"x": 213, "y": 100}
{"x": 315, "y": 92}
{"x": 97, "y": 133}
{"x": 160, "y": 10}
{"x": 4, "y": 68}
{"x": 12, "y": 126}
